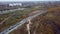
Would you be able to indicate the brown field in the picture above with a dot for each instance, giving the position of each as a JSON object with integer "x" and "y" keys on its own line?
{"x": 48, "y": 23}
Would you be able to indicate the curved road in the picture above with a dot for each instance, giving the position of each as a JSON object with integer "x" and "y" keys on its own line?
{"x": 22, "y": 22}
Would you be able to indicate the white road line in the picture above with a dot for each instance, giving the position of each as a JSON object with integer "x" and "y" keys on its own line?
{"x": 21, "y": 23}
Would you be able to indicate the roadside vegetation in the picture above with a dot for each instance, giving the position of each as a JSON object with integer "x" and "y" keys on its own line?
{"x": 48, "y": 23}
{"x": 17, "y": 17}
{"x": 3, "y": 16}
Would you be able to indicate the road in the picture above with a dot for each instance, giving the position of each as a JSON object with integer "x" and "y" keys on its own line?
{"x": 22, "y": 22}
{"x": 7, "y": 11}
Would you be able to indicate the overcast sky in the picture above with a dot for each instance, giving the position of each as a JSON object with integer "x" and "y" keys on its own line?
{"x": 29, "y": 0}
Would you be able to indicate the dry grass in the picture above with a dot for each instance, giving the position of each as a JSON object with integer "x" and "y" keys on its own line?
{"x": 42, "y": 24}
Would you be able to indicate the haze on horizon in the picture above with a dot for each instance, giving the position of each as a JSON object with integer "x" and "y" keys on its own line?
{"x": 26, "y": 0}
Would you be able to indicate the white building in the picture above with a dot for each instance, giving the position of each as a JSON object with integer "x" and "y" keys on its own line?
{"x": 15, "y": 4}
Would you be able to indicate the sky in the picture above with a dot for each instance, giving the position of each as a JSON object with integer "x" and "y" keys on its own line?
{"x": 28, "y": 0}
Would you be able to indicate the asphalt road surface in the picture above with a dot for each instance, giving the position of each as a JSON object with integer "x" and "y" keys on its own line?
{"x": 22, "y": 22}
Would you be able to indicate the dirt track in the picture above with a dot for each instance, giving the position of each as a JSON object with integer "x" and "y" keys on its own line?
{"x": 44, "y": 24}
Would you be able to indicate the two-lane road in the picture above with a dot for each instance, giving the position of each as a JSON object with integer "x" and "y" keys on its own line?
{"x": 22, "y": 22}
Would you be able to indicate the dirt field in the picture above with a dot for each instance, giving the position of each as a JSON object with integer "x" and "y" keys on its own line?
{"x": 48, "y": 23}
